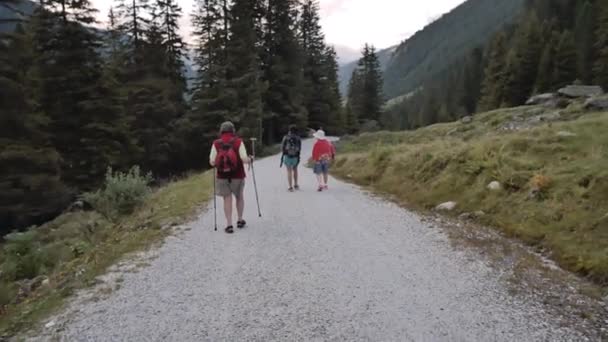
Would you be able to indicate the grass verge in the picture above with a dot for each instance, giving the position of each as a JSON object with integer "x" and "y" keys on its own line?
{"x": 554, "y": 177}
{"x": 70, "y": 252}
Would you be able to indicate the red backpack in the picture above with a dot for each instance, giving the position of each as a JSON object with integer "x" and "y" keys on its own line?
{"x": 226, "y": 161}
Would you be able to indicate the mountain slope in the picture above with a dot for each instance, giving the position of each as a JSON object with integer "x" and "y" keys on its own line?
{"x": 445, "y": 41}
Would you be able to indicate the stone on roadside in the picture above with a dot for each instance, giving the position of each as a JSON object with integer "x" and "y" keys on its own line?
{"x": 479, "y": 213}
{"x": 467, "y": 120}
{"x": 494, "y": 186}
{"x": 447, "y": 206}
{"x": 50, "y": 324}
{"x": 580, "y": 91}
{"x": 566, "y": 134}
{"x": 541, "y": 99}
{"x": 597, "y": 103}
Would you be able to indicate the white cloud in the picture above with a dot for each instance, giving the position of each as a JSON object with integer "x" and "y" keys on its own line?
{"x": 352, "y": 23}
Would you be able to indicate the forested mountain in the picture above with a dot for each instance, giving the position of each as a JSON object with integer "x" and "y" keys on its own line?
{"x": 77, "y": 100}
{"x": 445, "y": 41}
{"x": 551, "y": 44}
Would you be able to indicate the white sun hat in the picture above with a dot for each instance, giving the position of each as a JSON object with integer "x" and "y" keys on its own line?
{"x": 319, "y": 135}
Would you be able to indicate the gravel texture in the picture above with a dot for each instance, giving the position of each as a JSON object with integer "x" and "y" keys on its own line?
{"x": 334, "y": 266}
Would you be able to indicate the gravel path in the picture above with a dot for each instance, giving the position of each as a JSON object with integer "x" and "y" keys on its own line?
{"x": 336, "y": 266}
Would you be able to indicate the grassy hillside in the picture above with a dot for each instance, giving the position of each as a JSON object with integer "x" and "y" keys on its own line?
{"x": 554, "y": 177}
{"x": 43, "y": 266}
{"x": 445, "y": 41}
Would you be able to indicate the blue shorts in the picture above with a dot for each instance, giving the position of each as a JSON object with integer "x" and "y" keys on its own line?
{"x": 321, "y": 167}
{"x": 291, "y": 162}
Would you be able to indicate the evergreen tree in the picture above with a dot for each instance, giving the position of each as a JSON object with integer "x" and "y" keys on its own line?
{"x": 372, "y": 88}
{"x": 133, "y": 23}
{"x": 522, "y": 63}
{"x": 167, "y": 14}
{"x": 564, "y": 71}
{"x": 313, "y": 48}
{"x": 585, "y": 37}
{"x": 544, "y": 79}
{"x": 600, "y": 67}
{"x": 282, "y": 64}
{"x": 243, "y": 70}
{"x": 355, "y": 100}
{"x": 492, "y": 89}
{"x": 86, "y": 125}
{"x": 331, "y": 90}
{"x": 31, "y": 190}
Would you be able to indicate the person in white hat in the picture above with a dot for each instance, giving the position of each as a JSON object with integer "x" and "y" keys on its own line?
{"x": 323, "y": 152}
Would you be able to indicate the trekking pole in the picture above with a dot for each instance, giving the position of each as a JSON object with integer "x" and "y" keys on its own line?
{"x": 255, "y": 186}
{"x": 214, "y": 199}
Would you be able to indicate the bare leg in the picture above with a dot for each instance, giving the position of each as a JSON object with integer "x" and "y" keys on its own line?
{"x": 325, "y": 178}
{"x": 228, "y": 210}
{"x": 240, "y": 206}
{"x": 295, "y": 176}
{"x": 320, "y": 179}
{"x": 289, "y": 177}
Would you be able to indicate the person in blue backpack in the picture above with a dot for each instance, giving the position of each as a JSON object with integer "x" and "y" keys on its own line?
{"x": 291, "y": 147}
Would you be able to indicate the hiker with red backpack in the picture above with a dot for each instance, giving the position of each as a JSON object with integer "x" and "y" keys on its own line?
{"x": 323, "y": 153}
{"x": 291, "y": 147}
{"x": 228, "y": 156}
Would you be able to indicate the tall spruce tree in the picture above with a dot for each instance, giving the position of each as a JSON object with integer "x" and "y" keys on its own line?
{"x": 133, "y": 18}
{"x": 167, "y": 16}
{"x": 584, "y": 33}
{"x": 243, "y": 70}
{"x": 565, "y": 67}
{"x": 86, "y": 126}
{"x": 282, "y": 63}
{"x": 365, "y": 89}
{"x": 600, "y": 67}
{"x": 31, "y": 190}
{"x": 493, "y": 86}
{"x": 522, "y": 62}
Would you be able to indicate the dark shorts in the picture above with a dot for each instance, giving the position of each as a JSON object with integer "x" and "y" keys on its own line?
{"x": 321, "y": 167}
{"x": 225, "y": 187}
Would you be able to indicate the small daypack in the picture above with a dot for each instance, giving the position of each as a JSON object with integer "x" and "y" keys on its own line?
{"x": 226, "y": 161}
{"x": 292, "y": 146}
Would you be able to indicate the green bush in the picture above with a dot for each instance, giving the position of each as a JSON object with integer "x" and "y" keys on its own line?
{"x": 121, "y": 193}
{"x": 23, "y": 257}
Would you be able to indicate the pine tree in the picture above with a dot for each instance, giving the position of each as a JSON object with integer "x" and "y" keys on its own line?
{"x": 167, "y": 15}
{"x": 492, "y": 89}
{"x": 282, "y": 64}
{"x": 585, "y": 37}
{"x": 372, "y": 97}
{"x": 522, "y": 63}
{"x": 133, "y": 23}
{"x": 544, "y": 79}
{"x": 564, "y": 71}
{"x": 313, "y": 48}
{"x": 86, "y": 125}
{"x": 355, "y": 105}
{"x": 243, "y": 70}
{"x": 331, "y": 89}
{"x": 31, "y": 190}
{"x": 600, "y": 67}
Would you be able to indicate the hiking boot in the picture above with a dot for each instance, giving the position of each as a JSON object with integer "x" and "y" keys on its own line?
{"x": 297, "y": 187}
{"x": 241, "y": 224}
{"x": 229, "y": 230}
{"x": 290, "y": 189}
{"x": 320, "y": 188}
{"x": 326, "y": 187}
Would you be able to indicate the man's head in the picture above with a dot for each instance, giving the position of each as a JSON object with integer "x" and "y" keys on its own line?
{"x": 293, "y": 129}
{"x": 227, "y": 127}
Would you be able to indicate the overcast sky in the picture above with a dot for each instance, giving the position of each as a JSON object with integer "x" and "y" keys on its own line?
{"x": 352, "y": 23}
